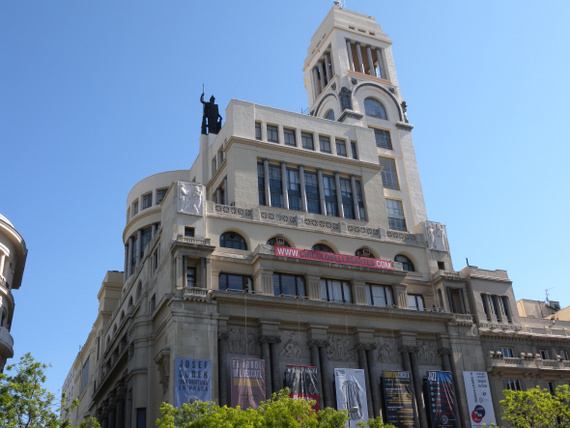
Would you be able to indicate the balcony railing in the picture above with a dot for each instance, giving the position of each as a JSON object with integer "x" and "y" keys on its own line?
{"x": 6, "y": 339}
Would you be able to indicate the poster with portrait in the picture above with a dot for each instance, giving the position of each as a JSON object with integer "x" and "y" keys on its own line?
{"x": 351, "y": 394}
{"x": 479, "y": 400}
{"x": 192, "y": 380}
{"x": 247, "y": 382}
{"x": 441, "y": 400}
{"x": 303, "y": 383}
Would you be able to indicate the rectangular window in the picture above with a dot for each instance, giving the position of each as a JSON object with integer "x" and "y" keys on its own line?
{"x": 85, "y": 375}
{"x": 189, "y": 232}
{"x": 307, "y": 141}
{"x": 486, "y": 308}
{"x": 379, "y": 295}
{"x": 513, "y": 385}
{"x": 325, "y": 144}
{"x": 135, "y": 207}
{"x": 239, "y": 283}
{"x": 312, "y": 193}
{"x": 456, "y": 301}
{"x": 333, "y": 290}
{"x": 396, "y": 218}
{"x": 383, "y": 139}
{"x": 416, "y": 302}
{"x": 495, "y": 306}
{"x": 505, "y": 308}
{"x": 141, "y": 418}
{"x": 160, "y": 194}
{"x": 285, "y": 285}
{"x": 347, "y": 201}
{"x": 146, "y": 235}
{"x": 564, "y": 354}
{"x": 276, "y": 186}
{"x": 272, "y": 133}
{"x": 289, "y": 136}
{"x": 293, "y": 189}
{"x": 330, "y": 195}
{"x": 190, "y": 277}
{"x": 544, "y": 354}
{"x": 214, "y": 165}
{"x": 261, "y": 183}
{"x": 341, "y": 148}
{"x": 354, "y": 150}
{"x": 507, "y": 352}
{"x": 257, "y": 130}
{"x": 147, "y": 201}
{"x": 360, "y": 200}
{"x": 389, "y": 173}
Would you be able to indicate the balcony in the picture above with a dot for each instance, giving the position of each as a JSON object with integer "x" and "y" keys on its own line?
{"x": 6, "y": 343}
{"x": 524, "y": 364}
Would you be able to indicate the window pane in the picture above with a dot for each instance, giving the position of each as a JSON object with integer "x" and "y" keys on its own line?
{"x": 396, "y": 219}
{"x": 374, "y": 108}
{"x": 272, "y": 133}
{"x": 383, "y": 139}
{"x": 307, "y": 140}
{"x": 341, "y": 148}
{"x": 312, "y": 193}
{"x": 289, "y": 135}
{"x": 325, "y": 144}
{"x": 389, "y": 174}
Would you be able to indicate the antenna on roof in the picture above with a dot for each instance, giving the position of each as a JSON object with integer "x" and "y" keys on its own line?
{"x": 546, "y": 291}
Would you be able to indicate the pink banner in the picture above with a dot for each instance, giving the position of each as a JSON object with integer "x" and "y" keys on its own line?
{"x": 342, "y": 259}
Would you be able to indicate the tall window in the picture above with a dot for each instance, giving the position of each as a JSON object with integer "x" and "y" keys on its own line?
{"x": 272, "y": 134}
{"x": 416, "y": 302}
{"x": 276, "y": 186}
{"x": 389, "y": 173}
{"x": 147, "y": 201}
{"x": 289, "y": 136}
{"x": 505, "y": 307}
{"x": 396, "y": 218}
{"x": 360, "y": 200}
{"x": 286, "y": 285}
{"x": 312, "y": 192}
{"x": 507, "y": 352}
{"x": 307, "y": 141}
{"x": 233, "y": 240}
{"x": 354, "y": 150}
{"x": 330, "y": 195}
{"x": 85, "y": 375}
{"x": 230, "y": 282}
{"x": 334, "y": 290}
{"x": 378, "y": 295}
{"x": 257, "y": 131}
{"x": 261, "y": 183}
{"x": 347, "y": 201}
{"x": 160, "y": 194}
{"x": 513, "y": 385}
{"x": 135, "y": 207}
{"x": 383, "y": 139}
{"x": 374, "y": 108}
{"x": 341, "y": 148}
{"x": 145, "y": 239}
{"x": 190, "y": 277}
{"x": 293, "y": 189}
{"x": 407, "y": 264}
{"x": 325, "y": 144}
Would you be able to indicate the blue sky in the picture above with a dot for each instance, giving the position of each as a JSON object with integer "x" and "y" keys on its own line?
{"x": 97, "y": 95}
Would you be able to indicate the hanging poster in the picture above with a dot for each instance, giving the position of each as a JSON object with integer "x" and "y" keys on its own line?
{"x": 479, "y": 401}
{"x": 303, "y": 383}
{"x": 193, "y": 381}
{"x": 441, "y": 400}
{"x": 351, "y": 394}
{"x": 248, "y": 382}
{"x": 399, "y": 399}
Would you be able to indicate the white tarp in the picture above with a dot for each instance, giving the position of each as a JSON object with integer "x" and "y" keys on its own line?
{"x": 479, "y": 399}
{"x": 351, "y": 394}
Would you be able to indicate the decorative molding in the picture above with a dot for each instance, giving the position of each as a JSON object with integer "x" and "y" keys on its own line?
{"x": 341, "y": 348}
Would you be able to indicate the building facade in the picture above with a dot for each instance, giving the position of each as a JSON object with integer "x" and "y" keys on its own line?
{"x": 13, "y": 254}
{"x": 303, "y": 240}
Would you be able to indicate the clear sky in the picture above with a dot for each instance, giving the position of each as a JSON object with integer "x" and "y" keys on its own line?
{"x": 96, "y": 95}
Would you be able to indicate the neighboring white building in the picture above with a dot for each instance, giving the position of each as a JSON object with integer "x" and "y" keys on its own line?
{"x": 303, "y": 240}
{"x": 13, "y": 254}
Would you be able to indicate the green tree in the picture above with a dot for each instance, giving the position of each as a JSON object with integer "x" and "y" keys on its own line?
{"x": 537, "y": 408}
{"x": 25, "y": 403}
{"x": 281, "y": 411}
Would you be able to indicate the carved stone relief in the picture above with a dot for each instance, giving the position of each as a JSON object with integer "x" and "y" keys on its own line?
{"x": 291, "y": 348}
{"x": 387, "y": 351}
{"x": 240, "y": 343}
{"x": 191, "y": 198}
{"x": 341, "y": 348}
{"x": 435, "y": 236}
{"x": 427, "y": 353}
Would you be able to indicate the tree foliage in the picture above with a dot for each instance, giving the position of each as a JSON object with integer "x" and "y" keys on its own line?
{"x": 281, "y": 411}
{"x": 25, "y": 403}
{"x": 537, "y": 408}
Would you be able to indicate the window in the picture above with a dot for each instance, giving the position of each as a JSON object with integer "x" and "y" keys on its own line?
{"x": 564, "y": 354}
{"x": 389, "y": 174}
{"x": 330, "y": 115}
{"x": 507, "y": 352}
{"x": 341, "y": 148}
{"x": 354, "y": 150}
{"x": 230, "y": 282}
{"x": 322, "y": 247}
{"x": 360, "y": 200}
{"x": 278, "y": 240}
{"x": 146, "y": 235}
{"x": 293, "y": 189}
{"x": 257, "y": 130}
{"x": 396, "y": 219}
{"x": 455, "y": 299}
{"x": 383, "y": 139}
{"x": 160, "y": 194}
{"x": 407, "y": 264}
{"x": 275, "y": 186}
{"x": 325, "y": 144}
{"x": 346, "y": 195}
{"x": 307, "y": 141}
{"x": 289, "y": 135}
{"x": 333, "y": 290}
{"x": 190, "y": 277}
{"x": 272, "y": 133}
{"x": 374, "y": 108}
{"x": 505, "y": 308}
{"x": 147, "y": 201}
{"x": 135, "y": 208}
{"x": 378, "y": 295}
{"x": 416, "y": 302}
{"x": 329, "y": 187}
{"x": 513, "y": 385}
{"x": 141, "y": 417}
{"x": 233, "y": 240}
{"x": 261, "y": 183}
{"x": 364, "y": 252}
{"x": 286, "y": 285}
{"x": 85, "y": 375}
{"x": 214, "y": 165}
{"x": 486, "y": 308}
{"x": 312, "y": 193}
{"x": 544, "y": 354}
{"x": 189, "y": 232}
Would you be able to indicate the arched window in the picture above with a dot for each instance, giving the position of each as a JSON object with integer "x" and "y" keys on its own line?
{"x": 279, "y": 241}
{"x": 364, "y": 252}
{"x": 374, "y": 108}
{"x": 330, "y": 114}
{"x": 407, "y": 264}
{"x": 322, "y": 247}
{"x": 233, "y": 240}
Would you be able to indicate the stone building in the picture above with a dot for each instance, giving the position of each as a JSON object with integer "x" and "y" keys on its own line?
{"x": 13, "y": 254}
{"x": 301, "y": 240}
